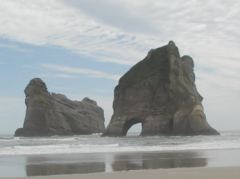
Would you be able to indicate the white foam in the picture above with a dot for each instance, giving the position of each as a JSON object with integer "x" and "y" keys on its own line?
{"x": 74, "y": 149}
{"x": 97, "y": 144}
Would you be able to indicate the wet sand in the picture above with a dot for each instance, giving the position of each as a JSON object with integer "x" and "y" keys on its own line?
{"x": 177, "y": 173}
{"x": 44, "y": 165}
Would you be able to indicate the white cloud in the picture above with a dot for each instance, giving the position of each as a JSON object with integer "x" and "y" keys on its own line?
{"x": 53, "y": 23}
{"x": 52, "y": 75}
{"x": 63, "y": 75}
{"x": 113, "y": 32}
{"x": 117, "y": 13}
{"x": 67, "y": 71}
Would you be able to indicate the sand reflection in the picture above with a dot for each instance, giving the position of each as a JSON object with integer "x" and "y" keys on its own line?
{"x": 108, "y": 162}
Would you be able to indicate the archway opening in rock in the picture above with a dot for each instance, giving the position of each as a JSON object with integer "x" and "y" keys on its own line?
{"x": 132, "y": 128}
{"x": 135, "y": 130}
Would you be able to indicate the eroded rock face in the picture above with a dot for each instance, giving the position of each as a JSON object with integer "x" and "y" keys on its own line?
{"x": 55, "y": 114}
{"x": 160, "y": 93}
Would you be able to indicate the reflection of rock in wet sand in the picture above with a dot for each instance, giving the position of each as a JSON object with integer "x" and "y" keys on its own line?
{"x": 64, "y": 164}
{"x": 63, "y": 168}
{"x": 91, "y": 163}
{"x": 127, "y": 162}
{"x": 158, "y": 160}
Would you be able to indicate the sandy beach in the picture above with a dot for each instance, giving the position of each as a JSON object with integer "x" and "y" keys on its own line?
{"x": 177, "y": 173}
{"x": 112, "y": 163}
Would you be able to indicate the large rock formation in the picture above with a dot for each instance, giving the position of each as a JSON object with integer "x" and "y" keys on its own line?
{"x": 55, "y": 114}
{"x": 160, "y": 93}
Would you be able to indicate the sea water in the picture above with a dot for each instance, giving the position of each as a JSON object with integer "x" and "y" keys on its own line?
{"x": 10, "y": 145}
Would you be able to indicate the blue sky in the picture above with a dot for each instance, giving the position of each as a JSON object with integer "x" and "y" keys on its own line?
{"x": 81, "y": 48}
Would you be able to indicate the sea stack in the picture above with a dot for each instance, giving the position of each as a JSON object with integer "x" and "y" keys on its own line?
{"x": 54, "y": 114}
{"x": 160, "y": 93}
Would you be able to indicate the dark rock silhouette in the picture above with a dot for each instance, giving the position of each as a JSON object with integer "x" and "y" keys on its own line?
{"x": 143, "y": 161}
{"x": 54, "y": 114}
{"x": 160, "y": 93}
{"x": 63, "y": 168}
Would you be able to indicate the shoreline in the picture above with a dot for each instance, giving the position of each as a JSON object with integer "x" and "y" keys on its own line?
{"x": 179, "y": 173}
{"x": 75, "y": 164}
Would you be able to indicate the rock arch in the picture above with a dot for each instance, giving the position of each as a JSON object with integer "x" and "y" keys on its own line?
{"x": 128, "y": 124}
{"x": 160, "y": 90}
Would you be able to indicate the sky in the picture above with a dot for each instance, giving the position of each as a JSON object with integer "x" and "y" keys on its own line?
{"x": 81, "y": 48}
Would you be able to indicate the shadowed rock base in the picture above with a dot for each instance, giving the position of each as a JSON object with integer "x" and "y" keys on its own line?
{"x": 160, "y": 93}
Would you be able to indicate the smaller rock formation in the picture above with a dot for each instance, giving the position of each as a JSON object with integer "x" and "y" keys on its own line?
{"x": 160, "y": 93}
{"x": 54, "y": 114}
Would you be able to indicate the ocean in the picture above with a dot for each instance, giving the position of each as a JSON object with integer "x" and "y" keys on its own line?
{"x": 10, "y": 145}
{"x": 24, "y": 156}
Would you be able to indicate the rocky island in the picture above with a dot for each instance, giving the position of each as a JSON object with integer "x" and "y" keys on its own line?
{"x": 54, "y": 114}
{"x": 160, "y": 93}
